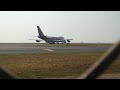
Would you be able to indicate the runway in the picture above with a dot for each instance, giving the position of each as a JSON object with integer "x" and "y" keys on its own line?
{"x": 6, "y": 48}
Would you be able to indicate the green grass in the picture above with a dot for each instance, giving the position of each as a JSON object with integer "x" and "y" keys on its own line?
{"x": 50, "y": 65}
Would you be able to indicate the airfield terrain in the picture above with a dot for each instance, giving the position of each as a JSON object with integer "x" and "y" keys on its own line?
{"x": 54, "y": 61}
{"x": 6, "y": 48}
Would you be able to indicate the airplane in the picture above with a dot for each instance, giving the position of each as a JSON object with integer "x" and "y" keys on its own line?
{"x": 51, "y": 40}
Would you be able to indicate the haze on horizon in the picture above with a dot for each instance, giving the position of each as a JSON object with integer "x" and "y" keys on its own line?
{"x": 82, "y": 26}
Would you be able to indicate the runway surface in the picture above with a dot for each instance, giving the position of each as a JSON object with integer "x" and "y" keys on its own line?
{"x": 6, "y": 48}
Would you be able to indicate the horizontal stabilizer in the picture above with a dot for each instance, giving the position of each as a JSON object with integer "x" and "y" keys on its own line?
{"x": 34, "y": 39}
{"x": 69, "y": 39}
{"x": 33, "y": 36}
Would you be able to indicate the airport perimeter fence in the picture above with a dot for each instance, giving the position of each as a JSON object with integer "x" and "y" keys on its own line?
{"x": 93, "y": 72}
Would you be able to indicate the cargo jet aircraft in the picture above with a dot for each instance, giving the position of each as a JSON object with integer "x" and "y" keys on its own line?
{"x": 51, "y": 40}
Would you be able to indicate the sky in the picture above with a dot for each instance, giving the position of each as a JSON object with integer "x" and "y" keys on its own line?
{"x": 81, "y": 26}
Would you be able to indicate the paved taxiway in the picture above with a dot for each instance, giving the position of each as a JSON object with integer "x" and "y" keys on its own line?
{"x": 6, "y": 48}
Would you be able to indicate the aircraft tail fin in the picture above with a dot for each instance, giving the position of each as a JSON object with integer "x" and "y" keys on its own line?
{"x": 40, "y": 32}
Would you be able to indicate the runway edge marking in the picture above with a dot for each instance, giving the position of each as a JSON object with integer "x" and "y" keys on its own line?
{"x": 48, "y": 49}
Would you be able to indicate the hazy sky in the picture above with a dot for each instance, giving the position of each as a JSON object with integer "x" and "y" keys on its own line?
{"x": 82, "y": 26}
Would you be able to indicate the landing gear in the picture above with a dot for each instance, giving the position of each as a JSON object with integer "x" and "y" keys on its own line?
{"x": 51, "y": 42}
{"x": 56, "y": 43}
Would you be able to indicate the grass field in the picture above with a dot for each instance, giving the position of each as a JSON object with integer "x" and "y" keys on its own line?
{"x": 51, "y": 65}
